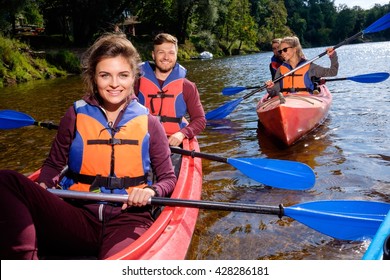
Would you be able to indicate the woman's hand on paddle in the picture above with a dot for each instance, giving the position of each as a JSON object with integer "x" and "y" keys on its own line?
{"x": 330, "y": 51}
{"x": 139, "y": 197}
{"x": 176, "y": 139}
{"x": 269, "y": 84}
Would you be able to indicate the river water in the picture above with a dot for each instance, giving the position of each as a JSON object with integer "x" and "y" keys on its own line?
{"x": 349, "y": 153}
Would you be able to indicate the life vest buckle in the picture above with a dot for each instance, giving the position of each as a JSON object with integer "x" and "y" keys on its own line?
{"x": 115, "y": 183}
{"x": 161, "y": 94}
{"x": 114, "y": 141}
{"x": 109, "y": 182}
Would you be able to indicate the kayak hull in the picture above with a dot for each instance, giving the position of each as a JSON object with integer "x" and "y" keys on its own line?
{"x": 291, "y": 118}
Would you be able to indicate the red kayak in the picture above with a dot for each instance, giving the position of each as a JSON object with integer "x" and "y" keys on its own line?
{"x": 292, "y": 117}
{"x": 170, "y": 235}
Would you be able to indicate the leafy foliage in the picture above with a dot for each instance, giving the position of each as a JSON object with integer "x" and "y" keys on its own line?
{"x": 234, "y": 25}
{"x": 18, "y": 64}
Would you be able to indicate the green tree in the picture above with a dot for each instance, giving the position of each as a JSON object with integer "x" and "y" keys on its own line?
{"x": 237, "y": 26}
{"x": 297, "y": 13}
{"x": 172, "y": 16}
{"x": 274, "y": 22}
{"x": 184, "y": 11}
{"x": 345, "y": 22}
{"x": 156, "y": 16}
{"x": 205, "y": 16}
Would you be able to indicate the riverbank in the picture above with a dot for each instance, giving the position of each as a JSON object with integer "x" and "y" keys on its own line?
{"x": 23, "y": 62}
{"x": 20, "y": 63}
{"x": 43, "y": 57}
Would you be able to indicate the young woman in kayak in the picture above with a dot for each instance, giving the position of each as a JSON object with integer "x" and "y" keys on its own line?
{"x": 109, "y": 142}
{"x": 301, "y": 80}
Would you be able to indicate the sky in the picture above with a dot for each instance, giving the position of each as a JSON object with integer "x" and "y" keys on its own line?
{"x": 364, "y": 4}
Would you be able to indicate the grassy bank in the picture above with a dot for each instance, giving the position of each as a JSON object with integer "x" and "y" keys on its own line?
{"x": 22, "y": 63}
{"x": 46, "y": 57}
{"x": 19, "y": 63}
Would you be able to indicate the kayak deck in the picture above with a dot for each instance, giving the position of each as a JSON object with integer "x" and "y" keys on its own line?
{"x": 294, "y": 116}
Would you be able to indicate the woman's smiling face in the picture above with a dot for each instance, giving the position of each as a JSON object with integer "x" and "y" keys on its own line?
{"x": 114, "y": 80}
{"x": 287, "y": 51}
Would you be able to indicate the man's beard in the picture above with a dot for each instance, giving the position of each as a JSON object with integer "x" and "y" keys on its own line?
{"x": 165, "y": 69}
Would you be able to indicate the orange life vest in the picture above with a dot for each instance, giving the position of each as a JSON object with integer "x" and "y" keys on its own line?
{"x": 166, "y": 102}
{"x": 299, "y": 81}
{"x": 108, "y": 159}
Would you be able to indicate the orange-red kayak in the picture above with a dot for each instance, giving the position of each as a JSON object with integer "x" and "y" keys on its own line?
{"x": 170, "y": 235}
{"x": 291, "y": 118}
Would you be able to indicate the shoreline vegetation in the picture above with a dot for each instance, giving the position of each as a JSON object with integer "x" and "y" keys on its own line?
{"x": 35, "y": 58}
{"x": 21, "y": 63}
{"x": 46, "y": 57}
{"x": 45, "y": 39}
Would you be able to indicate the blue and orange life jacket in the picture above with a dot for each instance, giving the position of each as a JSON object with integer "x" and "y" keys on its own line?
{"x": 299, "y": 81}
{"x": 166, "y": 102}
{"x": 108, "y": 159}
{"x": 275, "y": 63}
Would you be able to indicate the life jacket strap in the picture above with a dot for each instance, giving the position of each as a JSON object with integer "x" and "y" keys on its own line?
{"x": 160, "y": 94}
{"x": 112, "y": 141}
{"x": 109, "y": 182}
{"x": 170, "y": 119}
{"x": 292, "y": 90}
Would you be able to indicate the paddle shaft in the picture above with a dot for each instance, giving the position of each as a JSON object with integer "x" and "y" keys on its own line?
{"x": 254, "y": 87}
{"x": 46, "y": 125}
{"x": 164, "y": 201}
{"x": 322, "y": 216}
{"x": 198, "y": 154}
{"x": 333, "y": 79}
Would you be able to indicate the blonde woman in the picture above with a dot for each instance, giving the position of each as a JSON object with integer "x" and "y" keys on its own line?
{"x": 290, "y": 50}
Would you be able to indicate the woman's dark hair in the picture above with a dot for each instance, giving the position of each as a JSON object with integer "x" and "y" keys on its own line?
{"x": 107, "y": 46}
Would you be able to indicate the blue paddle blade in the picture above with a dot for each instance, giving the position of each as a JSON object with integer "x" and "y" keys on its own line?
{"x": 10, "y": 119}
{"x": 343, "y": 219}
{"x": 283, "y": 174}
{"x": 379, "y": 25}
{"x": 232, "y": 90}
{"x": 370, "y": 78}
{"x": 224, "y": 110}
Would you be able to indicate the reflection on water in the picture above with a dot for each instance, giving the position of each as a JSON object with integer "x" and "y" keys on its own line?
{"x": 349, "y": 153}
{"x": 24, "y": 149}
